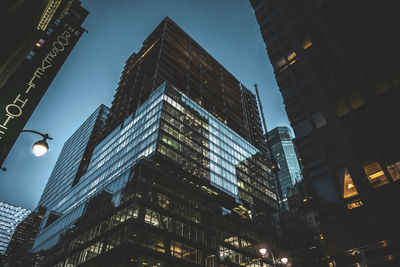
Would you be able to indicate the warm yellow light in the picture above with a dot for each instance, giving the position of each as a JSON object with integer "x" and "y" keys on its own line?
{"x": 291, "y": 56}
{"x": 349, "y": 189}
{"x": 354, "y": 204}
{"x": 40, "y": 148}
{"x": 48, "y": 14}
{"x": 350, "y": 186}
{"x": 376, "y": 175}
{"x": 306, "y": 44}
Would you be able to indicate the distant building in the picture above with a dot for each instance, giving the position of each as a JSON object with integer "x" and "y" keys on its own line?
{"x": 41, "y": 36}
{"x": 10, "y": 217}
{"x": 17, "y": 253}
{"x": 284, "y": 153}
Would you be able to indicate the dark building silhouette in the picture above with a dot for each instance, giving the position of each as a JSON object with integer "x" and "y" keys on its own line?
{"x": 38, "y": 37}
{"x": 336, "y": 64}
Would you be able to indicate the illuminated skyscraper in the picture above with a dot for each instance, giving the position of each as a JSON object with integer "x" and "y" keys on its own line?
{"x": 169, "y": 54}
{"x": 283, "y": 151}
{"x": 178, "y": 188}
{"x": 10, "y": 217}
{"x": 71, "y": 162}
{"x": 173, "y": 179}
{"x": 336, "y": 64}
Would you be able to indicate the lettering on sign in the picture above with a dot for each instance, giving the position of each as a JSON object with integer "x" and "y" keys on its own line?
{"x": 16, "y": 108}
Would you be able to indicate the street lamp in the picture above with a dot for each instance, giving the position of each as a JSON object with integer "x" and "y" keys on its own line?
{"x": 264, "y": 252}
{"x": 39, "y": 148}
{"x": 284, "y": 260}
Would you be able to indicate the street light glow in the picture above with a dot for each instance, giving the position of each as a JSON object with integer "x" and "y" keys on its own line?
{"x": 263, "y": 251}
{"x": 40, "y": 148}
{"x": 284, "y": 260}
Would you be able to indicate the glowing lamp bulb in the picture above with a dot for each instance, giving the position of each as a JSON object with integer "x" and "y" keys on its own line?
{"x": 284, "y": 260}
{"x": 40, "y": 148}
{"x": 263, "y": 251}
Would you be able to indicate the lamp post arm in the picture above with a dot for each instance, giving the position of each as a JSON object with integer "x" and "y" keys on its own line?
{"x": 45, "y": 136}
{"x": 273, "y": 258}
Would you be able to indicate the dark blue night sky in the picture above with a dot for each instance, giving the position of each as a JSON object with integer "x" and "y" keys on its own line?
{"x": 227, "y": 29}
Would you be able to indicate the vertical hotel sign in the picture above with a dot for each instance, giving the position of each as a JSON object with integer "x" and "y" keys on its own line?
{"x": 27, "y": 85}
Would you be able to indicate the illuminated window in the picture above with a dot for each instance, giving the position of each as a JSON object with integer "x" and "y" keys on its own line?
{"x": 349, "y": 189}
{"x": 291, "y": 56}
{"x": 279, "y": 63}
{"x": 380, "y": 86}
{"x": 306, "y": 44}
{"x": 40, "y": 43}
{"x": 49, "y": 31}
{"x": 354, "y": 204}
{"x": 394, "y": 171}
{"x": 30, "y": 55}
{"x": 319, "y": 120}
{"x": 356, "y": 100}
{"x": 57, "y": 22}
{"x": 341, "y": 108}
{"x": 375, "y": 174}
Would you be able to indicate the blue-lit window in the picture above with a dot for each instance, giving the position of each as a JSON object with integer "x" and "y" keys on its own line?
{"x": 49, "y": 31}
{"x": 30, "y": 55}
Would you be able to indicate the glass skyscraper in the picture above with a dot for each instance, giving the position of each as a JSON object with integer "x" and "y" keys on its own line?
{"x": 72, "y": 157}
{"x": 170, "y": 54}
{"x": 10, "y": 217}
{"x": 171, "y": 150}
{"x": 173, "y": 178}
{"x": 283, "y": 151}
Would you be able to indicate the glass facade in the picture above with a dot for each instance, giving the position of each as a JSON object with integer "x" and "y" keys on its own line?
{"x": 109, "y": 167}
{"x": 170, "y": 54}
{"x": 159, "y": 222}
{"x": 10, "y": 217}
{"x": 201, "y": 143}
{"x": 66, "y": 167}
{"x": 283, "y": 151}
{"x": 178, "y": 129}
